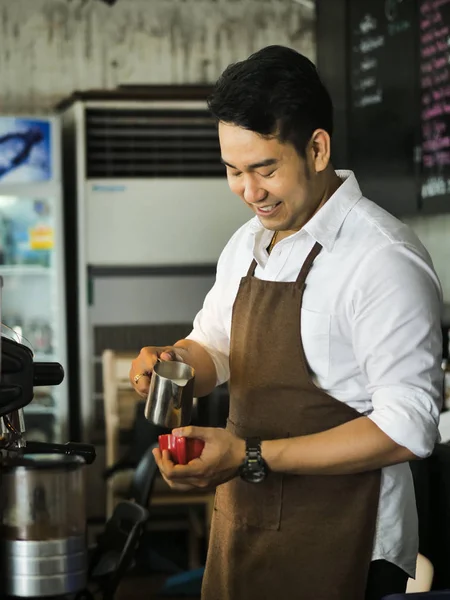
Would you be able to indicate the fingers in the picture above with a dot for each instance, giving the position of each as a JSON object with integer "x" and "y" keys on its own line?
{"x": 201, "y": 433}
{"x": 192, "y": 472}
{"x": 173, "y": 353}
{"x": 142, "y": 366}
{"x": 141, "y": 369}
{"x": 158, "y": 456}
{"x": 142, "y": 386}
{"x": 163, "y": 463}
{"x": 168, "y": 355}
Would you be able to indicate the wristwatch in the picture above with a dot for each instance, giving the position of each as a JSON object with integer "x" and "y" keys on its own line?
{"x": 254, "y": 468}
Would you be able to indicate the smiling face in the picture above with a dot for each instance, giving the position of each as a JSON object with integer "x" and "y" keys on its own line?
{"x": 282, "y": 188}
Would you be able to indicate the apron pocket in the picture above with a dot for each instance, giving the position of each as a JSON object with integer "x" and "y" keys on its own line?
{"x": 250, "y": 504}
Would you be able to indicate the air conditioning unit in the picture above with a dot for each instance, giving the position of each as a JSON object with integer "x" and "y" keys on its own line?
{"x": 148, "y": 211}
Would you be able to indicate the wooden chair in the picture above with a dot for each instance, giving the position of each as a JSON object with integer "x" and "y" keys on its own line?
{"x": 120, "y": 401}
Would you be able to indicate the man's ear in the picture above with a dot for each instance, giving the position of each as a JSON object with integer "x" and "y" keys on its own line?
{"x": 320, "y": 145}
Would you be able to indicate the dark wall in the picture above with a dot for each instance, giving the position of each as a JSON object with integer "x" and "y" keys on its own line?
{"x": 386, "y": 64}
{"x": 332, "y": 64}
{"x": 376, "y": 140}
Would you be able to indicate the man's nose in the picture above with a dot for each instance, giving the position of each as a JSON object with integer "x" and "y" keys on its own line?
{"x": 253, "y": 192}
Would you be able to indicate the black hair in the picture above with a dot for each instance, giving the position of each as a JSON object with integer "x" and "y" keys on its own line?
{"x": 275, "y": 92}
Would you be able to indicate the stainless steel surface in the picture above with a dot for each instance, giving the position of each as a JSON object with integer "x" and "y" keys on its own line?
{"x": 43, "y": 587}
{"x": 37, "y": 569}
{"x": 34, "y": 549}
{"x": 48, "y": 565}
{"x": 42, "y": 498}
{"x": 169, "y": 400}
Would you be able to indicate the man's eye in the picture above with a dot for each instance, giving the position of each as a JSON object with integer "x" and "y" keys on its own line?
{"x": 267, "y": 174}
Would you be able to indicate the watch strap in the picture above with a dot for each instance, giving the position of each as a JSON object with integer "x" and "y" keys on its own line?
{"x": 253, "y": 450}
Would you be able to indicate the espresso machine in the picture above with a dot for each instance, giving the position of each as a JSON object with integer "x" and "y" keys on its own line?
{"x": 42, "y": 494}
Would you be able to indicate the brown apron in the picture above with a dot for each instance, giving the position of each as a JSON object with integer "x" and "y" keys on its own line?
{"x": 308, "y": 537}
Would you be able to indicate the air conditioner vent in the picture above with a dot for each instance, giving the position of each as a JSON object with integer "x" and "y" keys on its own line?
{"x": 147, "y": 143}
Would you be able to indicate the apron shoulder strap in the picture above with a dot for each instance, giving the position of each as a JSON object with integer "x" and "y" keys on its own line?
{"x": 308, "y": 263}
{"x": 251, "y": 269}
{"x": 303, "y": 271}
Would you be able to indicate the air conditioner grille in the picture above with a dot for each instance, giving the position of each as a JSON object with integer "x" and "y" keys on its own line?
{"x": 140, "y": 143}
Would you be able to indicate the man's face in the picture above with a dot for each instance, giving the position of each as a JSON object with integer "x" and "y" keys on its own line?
{"x": 270, "y": 177}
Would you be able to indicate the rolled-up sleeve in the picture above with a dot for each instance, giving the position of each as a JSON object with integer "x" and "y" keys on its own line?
{"x": 397, "y": 342}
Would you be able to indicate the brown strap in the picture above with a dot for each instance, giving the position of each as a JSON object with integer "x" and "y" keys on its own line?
{"x": 308, "y": 263}
{"x": 303, "y": 271}
{"x": 251, "y": 270}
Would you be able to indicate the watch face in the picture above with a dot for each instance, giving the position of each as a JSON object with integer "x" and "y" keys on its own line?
{"x": 253, "y": 475}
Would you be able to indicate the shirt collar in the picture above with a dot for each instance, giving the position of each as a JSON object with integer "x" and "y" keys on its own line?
{"x": 324, "y": 226}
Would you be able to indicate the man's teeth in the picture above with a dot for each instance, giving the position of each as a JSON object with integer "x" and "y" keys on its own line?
{"x": 268, "y": 208}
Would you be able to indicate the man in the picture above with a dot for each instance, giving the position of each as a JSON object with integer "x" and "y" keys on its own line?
{"x": 325, "y": 319}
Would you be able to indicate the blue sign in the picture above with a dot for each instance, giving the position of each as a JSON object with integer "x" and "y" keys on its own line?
{"x": 25, "y": 150}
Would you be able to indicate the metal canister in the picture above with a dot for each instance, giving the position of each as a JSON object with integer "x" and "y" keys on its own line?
{"x": 42, "y": 526}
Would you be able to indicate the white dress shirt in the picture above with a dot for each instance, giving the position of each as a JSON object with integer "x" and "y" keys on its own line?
{"x": 370, "y": 326}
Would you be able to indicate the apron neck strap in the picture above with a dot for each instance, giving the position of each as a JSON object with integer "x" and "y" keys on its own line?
{"x": 305, "y": 268}
{"x": 308, "y": 263}
{"x": 251, "y": 269}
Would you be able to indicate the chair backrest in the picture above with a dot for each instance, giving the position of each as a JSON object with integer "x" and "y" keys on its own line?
{"x": 116, "y": 546}
{"x": 119, "y": 401}
{"x": 144, "y": 477}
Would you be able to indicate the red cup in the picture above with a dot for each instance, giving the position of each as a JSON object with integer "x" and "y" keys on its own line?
{"x": 181, "y": 449}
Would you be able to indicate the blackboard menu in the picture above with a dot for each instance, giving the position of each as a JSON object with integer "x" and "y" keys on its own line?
{"x": 384, "y": 101}
{"x": 434, "y": 65}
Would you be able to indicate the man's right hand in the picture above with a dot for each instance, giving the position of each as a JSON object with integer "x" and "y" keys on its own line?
{"x": 142, "y": 366}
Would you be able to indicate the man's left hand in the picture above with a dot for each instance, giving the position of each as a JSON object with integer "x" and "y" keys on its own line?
{"x": 219, "y": 462}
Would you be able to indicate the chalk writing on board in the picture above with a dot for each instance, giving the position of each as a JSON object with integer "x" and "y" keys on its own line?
{"x": 435, "y": 186}
{"x": 368, "y": 42}
{"x": 370, "y": 35}
{"x": 400, "y": 27}
{"x": 435, "y": 96}
{"x": 368, "y": 63}
{"x": 392, "y": 11}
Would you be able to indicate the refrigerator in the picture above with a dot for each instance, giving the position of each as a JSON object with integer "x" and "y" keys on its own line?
{"x": 32, "y": 257}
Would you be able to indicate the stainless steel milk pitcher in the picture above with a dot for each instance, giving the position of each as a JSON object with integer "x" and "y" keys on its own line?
{"x": 170, "y": 397}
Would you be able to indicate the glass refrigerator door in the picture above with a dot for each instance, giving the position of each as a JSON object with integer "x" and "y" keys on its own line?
{"x": 28, "y": 265}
